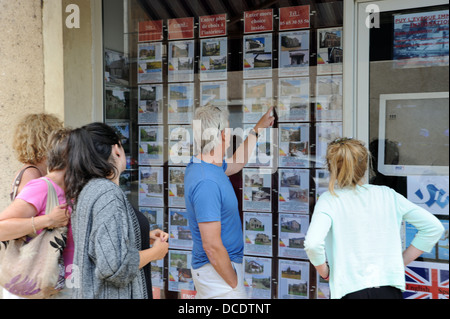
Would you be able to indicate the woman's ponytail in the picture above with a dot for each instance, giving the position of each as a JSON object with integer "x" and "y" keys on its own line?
{"x": 347, "y": 163}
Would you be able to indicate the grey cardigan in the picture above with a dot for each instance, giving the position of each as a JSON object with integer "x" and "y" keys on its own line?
{"x": 107, "y": 242}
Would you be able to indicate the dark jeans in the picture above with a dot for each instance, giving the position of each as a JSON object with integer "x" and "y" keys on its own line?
{"x": 384, "y": 292}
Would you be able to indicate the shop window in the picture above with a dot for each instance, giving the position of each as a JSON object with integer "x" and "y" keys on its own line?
{"x": 409, "y": 125}
{"x": 163, "y": 59}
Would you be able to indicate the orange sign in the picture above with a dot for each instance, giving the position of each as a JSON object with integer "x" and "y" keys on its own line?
{"x": 294, "y": 18}
{"x": 156, "y": 292}
{"x": 188, "y": 294}
{"x": 181, "y": 28}
{"x": 213, "y": 26}
{"x": 150, "y": 31}
{"x": 258, "y": 21}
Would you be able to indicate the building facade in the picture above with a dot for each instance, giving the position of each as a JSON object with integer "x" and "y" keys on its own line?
{"x": 372, "y": 70}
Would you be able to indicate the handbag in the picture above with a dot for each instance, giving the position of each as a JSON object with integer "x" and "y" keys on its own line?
{"x": 34, "y": 268}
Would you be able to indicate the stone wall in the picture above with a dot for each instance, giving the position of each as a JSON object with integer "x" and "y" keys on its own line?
{"x": 21, "y": 78}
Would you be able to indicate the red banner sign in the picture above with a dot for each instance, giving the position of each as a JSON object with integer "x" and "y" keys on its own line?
{"x": 150, "y": 31}
{"x": 156, "y": 292}
{"x": 188, "y": 294}
{"x": 294, "y": 17}
{"x": 213, "y": 26}
{"x": 258, "y": 21}
{"x": 182, "y": 28}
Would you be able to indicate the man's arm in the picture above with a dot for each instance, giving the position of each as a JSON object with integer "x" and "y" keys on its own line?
{"x": 244, "y": 151}
{"x": 216, "y": 252}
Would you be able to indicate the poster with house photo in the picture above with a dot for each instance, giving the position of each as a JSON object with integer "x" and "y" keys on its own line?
{"x": 117, "y": 103}
{"x": 116, "y": 68}
{"x": 292, "y": 229}
{"x": 181, "y": 61}
{"x": 180, "y": 236}
{"x": 180, "y": 144}
{"x": 263, "y": 153}
{"x": 122, "y": 129}
{"x": 150, "y": 62}
{"x": 213, "y": 59}
{"x": 257, "y": 189}
{"x": 293, "y": 279}
{"x": 258, "y": 234}
{"x": 179, "y": 272}
{"x": 257, "y": 56}
{"x": 157, "y": 273}
{"x": 293, "y": 99}
{"x": 326, "y": 132}
{"x": 258, "y": 98}
{"x": 151, "y": 145}
{"x": 329, "y": 51}
{"x": 293, "y": 59}
{"x": 321, "y": 180}
{"x": 214, "y": 93}
{"x": 151, "y": 186}
{"x": 293, "y": 146}
{"x": 329, "y": 98}
{"x": 150, "y": 104}
{"x": 125, "y": 180}
{"x": 323, "y": 288}
{"x": 293, "y": 190}
{"x": 176, "y": 186}
{"x": 258, "y": 277}
{"x": 181, "y": 103}
{"x": 155, "y": 216}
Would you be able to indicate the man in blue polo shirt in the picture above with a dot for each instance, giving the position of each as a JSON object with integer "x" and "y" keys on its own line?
{"x": 212, "y": 205}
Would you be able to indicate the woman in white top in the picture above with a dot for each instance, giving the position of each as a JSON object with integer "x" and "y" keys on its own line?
{"x": 357, "y": 225}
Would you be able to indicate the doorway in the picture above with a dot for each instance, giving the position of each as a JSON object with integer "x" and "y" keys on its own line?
{"x": 402, "y": 112}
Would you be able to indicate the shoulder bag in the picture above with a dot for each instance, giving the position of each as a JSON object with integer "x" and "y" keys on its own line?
{"x": 34, "y": 268}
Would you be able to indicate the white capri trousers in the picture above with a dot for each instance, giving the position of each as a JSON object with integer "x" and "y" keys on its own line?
{"x": 210, "y": 285}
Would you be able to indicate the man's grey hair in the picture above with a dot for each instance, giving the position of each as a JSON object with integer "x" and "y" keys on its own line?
{"x": 208, "y": 122}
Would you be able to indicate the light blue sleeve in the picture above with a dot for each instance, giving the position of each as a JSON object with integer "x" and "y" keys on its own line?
{"x": 317, "y": 232}
{"x": 429, "y": 228}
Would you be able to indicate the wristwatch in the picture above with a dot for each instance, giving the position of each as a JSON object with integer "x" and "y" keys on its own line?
{"x": 253, "y": 131}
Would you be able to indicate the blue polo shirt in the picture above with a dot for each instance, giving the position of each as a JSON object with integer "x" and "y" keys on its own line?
{"x": 210, "y": 197}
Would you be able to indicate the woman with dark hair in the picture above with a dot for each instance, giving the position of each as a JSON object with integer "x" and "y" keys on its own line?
{"x": 112, "y": 239}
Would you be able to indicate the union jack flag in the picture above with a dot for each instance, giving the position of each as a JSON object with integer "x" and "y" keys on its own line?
{"x": 426, "y": 281}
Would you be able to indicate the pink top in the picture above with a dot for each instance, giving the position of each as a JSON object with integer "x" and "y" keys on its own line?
{"x": 35, "y": 193}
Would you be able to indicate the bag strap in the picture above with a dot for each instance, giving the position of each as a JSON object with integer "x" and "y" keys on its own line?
{"x": 52, "y": 197}
{"x": 18, "y": 180}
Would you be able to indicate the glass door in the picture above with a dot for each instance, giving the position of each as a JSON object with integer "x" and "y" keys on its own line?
{"x": 403, "y": 116}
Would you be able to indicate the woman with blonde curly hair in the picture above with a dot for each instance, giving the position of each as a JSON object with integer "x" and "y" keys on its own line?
{"x": 30, "y": 146}
{"x": 358, "y": 225}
